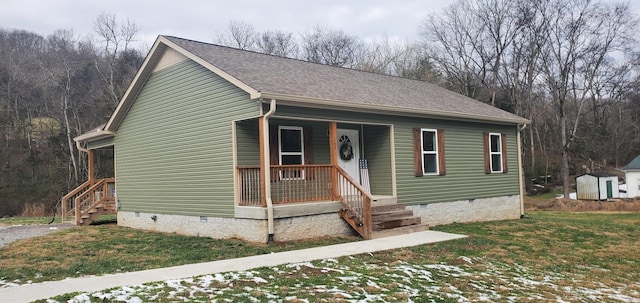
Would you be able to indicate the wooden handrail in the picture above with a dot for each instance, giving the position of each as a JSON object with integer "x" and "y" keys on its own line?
{"x": 364, "y": 228}
{"x": 80, "y": 210}
{"x": 84, "y": 197}
{"x": 81, "y": 188}
{"x": 354, "y": 182}
{"x": 77, "y": 190}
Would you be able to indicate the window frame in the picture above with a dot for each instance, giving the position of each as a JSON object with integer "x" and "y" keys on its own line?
{"x": 434, "y": 152}
{"x": 500, "y": 153}
{"x": 283, "y": 153}
{"x": 418, "y": 156}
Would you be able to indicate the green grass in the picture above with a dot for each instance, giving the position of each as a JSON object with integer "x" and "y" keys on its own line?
{"x": 104, "y": 249}
{"x": 26, "y": 220}
{"x": 579, "y": 257}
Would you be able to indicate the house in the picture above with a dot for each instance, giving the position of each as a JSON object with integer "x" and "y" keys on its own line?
{"x": 597, "y": 186}
{"x": 227, "y": 143}
{"x": 632, "y": 178}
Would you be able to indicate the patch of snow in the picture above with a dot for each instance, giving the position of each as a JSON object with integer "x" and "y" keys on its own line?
{"x": 81, "y": 298}
{"x": 7, "y": 284}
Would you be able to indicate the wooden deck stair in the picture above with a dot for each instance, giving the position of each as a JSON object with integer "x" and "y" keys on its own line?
{"x": 85, "y": 204}
{"x": 394, "y": 219}
{"x": 106, "y": 207}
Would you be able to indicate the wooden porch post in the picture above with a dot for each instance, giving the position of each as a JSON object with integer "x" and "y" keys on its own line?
{"x": 263, "y": 168}
{"x": 333, "y": 152}
{"x": 91, "y": 171}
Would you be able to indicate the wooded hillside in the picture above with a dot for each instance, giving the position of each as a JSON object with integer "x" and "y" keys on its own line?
{"x": 570, "y": 66}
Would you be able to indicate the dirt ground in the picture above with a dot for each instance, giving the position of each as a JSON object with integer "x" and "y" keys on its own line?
{"x": 581, "y": 205}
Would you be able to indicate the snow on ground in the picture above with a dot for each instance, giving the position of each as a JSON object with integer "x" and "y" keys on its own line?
{"x": 365, "y": 282}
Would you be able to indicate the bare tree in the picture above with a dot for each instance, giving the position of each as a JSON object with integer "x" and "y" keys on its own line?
{"x": 582, "y": 35}
{"x": 500, "y": 23}
{"x": 59, "y": 69}
{"x": 238, "y": 34}
{"x": 277, "y": 43}
{"x": 453, "y": 36}
{"x": 416, "y": 63}
{"x": 116, "y": 39}
{"x": 332, "y": 47}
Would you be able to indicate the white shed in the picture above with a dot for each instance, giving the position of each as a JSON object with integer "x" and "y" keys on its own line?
{"x": 597, "y": 186}
{"x": 632, "y": 178}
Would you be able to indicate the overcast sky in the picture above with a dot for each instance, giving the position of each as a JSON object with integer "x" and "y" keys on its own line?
{"x": 201, "y": 19}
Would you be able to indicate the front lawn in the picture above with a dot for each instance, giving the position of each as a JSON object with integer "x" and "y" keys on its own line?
{"x": 105, "y": 249}
{"x": 547, "y": 256}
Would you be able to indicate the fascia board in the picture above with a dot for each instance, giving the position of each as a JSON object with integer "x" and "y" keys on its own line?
{"x": 388, "y": 110}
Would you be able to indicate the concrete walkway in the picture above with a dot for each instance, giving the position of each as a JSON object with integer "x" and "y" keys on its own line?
{"x": 31, "y": 292}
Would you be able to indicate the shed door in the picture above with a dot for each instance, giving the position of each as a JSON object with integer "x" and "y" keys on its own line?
{"x": 349, "y": 152}
{"x": 609, "y": 189}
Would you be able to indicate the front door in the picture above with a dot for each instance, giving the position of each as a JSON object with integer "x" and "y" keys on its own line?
{"x": 349, "y": 152}
{"x": 609, "y": 189}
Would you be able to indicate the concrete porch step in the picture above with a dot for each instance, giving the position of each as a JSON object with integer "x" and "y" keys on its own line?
{"x": 376, "y": 234}
{"x": 383, "y": 200}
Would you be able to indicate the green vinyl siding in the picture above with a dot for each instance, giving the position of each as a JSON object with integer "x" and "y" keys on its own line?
{"x": 248, "y": 143}
{"x": 377, "y": 151}
{"x": 464, "y": 158}
{"x": 174, "y": 147}
{"x": 464, "y": 155}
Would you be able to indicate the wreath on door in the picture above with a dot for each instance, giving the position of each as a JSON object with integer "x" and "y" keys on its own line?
{"x": 346, "y": 151}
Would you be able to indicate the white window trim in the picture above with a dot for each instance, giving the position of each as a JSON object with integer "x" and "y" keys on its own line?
{"x": 300, "y": 153}
{"x": 434, "y": 152}
{"x": 500, "y": 152}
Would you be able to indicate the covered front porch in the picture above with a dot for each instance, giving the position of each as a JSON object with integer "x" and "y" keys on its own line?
{"x": 303, "y": 162}
{"x": 96, "y": 196}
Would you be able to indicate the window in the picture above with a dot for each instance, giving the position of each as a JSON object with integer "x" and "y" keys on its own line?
{"x": 495, "y": 153}
{"x": 291, "y": 150}
{"x": 429, "y": 152}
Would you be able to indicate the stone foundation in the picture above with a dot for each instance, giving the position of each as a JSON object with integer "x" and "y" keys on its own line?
{"x": 474, "y": 210}
{"x": 253, "y": 230}
{"x": 322, "y": 224}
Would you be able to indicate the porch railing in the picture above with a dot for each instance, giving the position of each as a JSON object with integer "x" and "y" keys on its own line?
{"x": 303, "y": 183}
{"x": 289, "y": 184}
{"x": 356, "y": 201}
{"x": 86, "y": 197}
{"x": 68, "y": 201}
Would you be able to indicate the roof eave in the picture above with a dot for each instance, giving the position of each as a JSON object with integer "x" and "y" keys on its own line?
{"x": 93, "y": 136}
{"x": 332, "y": 104}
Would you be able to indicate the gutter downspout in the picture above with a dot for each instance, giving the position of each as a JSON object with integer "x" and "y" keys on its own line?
{"x": 267, "y": 172}
{"x": 520, "y": 170}
{"x": 80, "y": 148}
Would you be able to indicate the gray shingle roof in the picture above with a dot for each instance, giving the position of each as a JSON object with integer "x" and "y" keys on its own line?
{"x": 634, "y": 164}
{"x": 350, "y": 88}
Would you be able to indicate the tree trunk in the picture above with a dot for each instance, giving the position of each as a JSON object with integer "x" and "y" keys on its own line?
{"x": 65, "y": 101}
{"x": 564, "y": 165}
{"x": 532, "y": 147}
